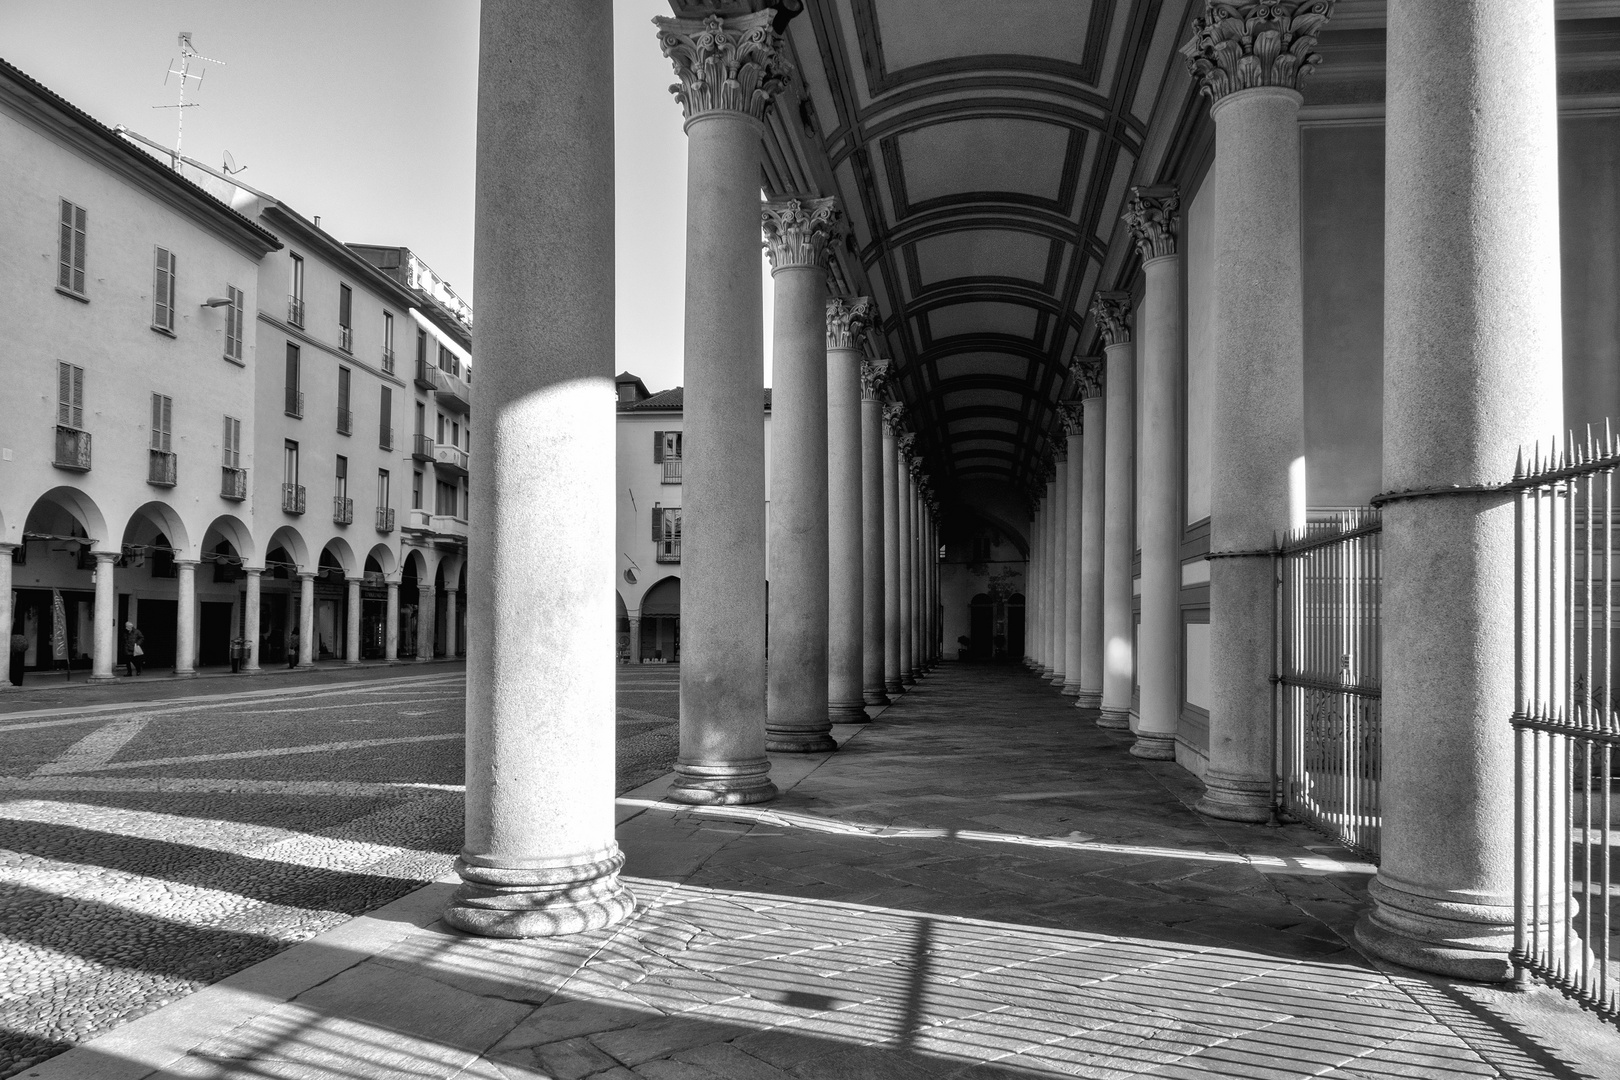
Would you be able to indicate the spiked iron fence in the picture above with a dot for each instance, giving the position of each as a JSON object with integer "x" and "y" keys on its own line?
{"x": 1566, "y": 725}
{"x": 1328, "y": 671}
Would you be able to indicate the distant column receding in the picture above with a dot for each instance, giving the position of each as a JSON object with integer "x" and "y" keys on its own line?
{"x": 847, "y": 320}
{"x": 894, "y": 422}
{"x": 1072, "y": 424}
{"x": 1061, "y": 584}
{"x": 874, "y": 377}
{"x": 1092, "y": 537}
{"x": 908, "y": 554}
{"x": 1119, "y": 510}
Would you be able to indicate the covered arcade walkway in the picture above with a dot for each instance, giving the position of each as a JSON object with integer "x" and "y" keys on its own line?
{"x": 982, "y": 883}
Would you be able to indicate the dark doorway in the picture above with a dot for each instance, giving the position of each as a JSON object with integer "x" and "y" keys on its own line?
{"x": 1015, "y": 626}
{"x": 214, "y": 635}
{"x": 981, "y": 627}
{"x": 156, "y": 619}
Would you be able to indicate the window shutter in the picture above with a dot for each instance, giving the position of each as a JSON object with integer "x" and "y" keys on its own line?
{"x": 64, "y": 393}
{"x": 343, "y": 389}
{"x": 292, "y": 366}
{"x": 233, "y": 323}
{"x": 172, "y": 275}
{"x": 78, "y": 248}
{"x": 658, "y": 448}
{"x": 657, "y": 523}
{"x": 387, "y": 409}
{"x": 168, "y": 423}
{"x": 157, "y": 421}
{"x": 162, "y": 290}
{"x": 64, "y": 273}
{"x": 78, "y": 396}
{"x": 676, "y": 514}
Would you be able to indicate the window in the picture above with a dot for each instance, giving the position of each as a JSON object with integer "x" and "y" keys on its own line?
{"x": 421, "y": 418}
{"x": 446, "y": 500}
{"x": 667, "y": 452}
{"x": 382, "y": 487}
{"x": 233, "y": 324}
{"x": 289, "y": 462}
{"x": 345, "y": 419}
{"x": 70, "y": 250}
{"x": 421, "y": 348}
{"x": 341, "y": 485}
{"x": 345, "y": 323}
{"x": 70, "y": 395}
{"x": 666, "y": 532}
{"x": 295, "y": 301}
{"x": 439, "y": 437}
{"x": 385, "y": 419}
{"x": 455, "y": 433}
{"x": 388, "y": 342}
{"x": 295, "y": 395}
{"x": 163, "y": 266}
{"x": 231, "y": 447}
{"x": 162, "y": 422}
{"x": 416, "y": 489}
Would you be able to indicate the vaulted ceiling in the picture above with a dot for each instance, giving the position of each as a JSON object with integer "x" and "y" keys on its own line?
{"x": 981, "y": 150}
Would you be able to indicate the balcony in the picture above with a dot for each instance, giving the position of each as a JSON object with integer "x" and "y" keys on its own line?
{"x": 292, "y": 498}
{"x": 422, "y": 447}
{"x": 420, "y": 520}
{"x": 385, "y": 519}
{"x": 672, "y": 470}
{"x": 388, "y": 360}
{"x": 385, "y": 438}
{"x": 232, "y": 483}
{"x": 160, "y": 468}
{"x": 448, "y": 525}
{"x": 72, "y": 449}
{"x": 346, "y": 338}
{"x": 424, "y": 374}
{"x": 295, "y": 311}
{"x": 342, "y": 510}
{"x": 450, "y": 459}
{"x": 345, "y": 421}
{"x": 295, "y": 402}
{"x": 669, "y": 551}
{"x": 452, "y": 393}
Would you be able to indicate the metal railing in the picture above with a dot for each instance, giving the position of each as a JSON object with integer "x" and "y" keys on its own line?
{"x": 342, "y": 510}
{"x": 295, "y": 402}
{"x": 295, "y": 310}
{"x": 388, "y": 360}
{"x": 424, "y": 374}
{"x": 672, "y": 470}
{"x": 385, "y": 437}
{"x": 72, "y": 449}
{"x": 385, "y": 519}
{"x": 669, "y": 551}
{"x": 232, "y": 483}
{"x": 1566, "y": 724}
{"x": 161, "y": 468}
{"x": 1329, "y": 677}
{"x": 422, "y": 447}
{"x": 346, "y": 338}
{"x": 345, "y": 421}
{"x": 292, "y": 498}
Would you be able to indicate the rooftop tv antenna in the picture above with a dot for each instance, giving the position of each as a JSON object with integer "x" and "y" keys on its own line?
{"x": 187, "y": 55}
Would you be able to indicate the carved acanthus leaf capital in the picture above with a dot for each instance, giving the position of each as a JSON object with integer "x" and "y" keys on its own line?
{"x": 915, "y": 467}
{"x": 1060, "y": 451}
{"x": 847, "y": 319}
{"x": 1151, "y": 214}
{"x": 1240, "y": 44}
{"x": 1072, "y": 416}
{"x": 725, "y": 65}
{"x": 904, "y": 441}
{"x": 1089, "y": 374}
{"x": 895, "y": 419}
{"x": 1112, "y": 311}
{"x": 875, "y": 378}
{"x": 797, "y": 230}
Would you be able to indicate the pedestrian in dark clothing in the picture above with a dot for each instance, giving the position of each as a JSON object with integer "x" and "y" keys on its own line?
{"x": 133, "y": 652}
{"x": 292, "y": 650}
{"x": 19, "y": 653}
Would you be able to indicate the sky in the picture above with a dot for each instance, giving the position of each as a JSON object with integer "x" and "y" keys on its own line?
{"x": 364, "y": 112}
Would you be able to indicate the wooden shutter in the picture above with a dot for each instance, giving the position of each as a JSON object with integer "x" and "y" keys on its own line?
{"x": 162, "y": 421}
{"x": 345, "y": 305}
{"x": 386, "y": 410}
{"x": 231, "y": 454}
{"x": 292, "y": 366}
{"x": 70, "y": 254}
{"x": 69, "y": 395}
{"x": 658, "y": 448}
{"x": 657, "y": 523}
{"x": 233, "y": 323}
{"x": 343, "y": 389}
{"x": 163, "y": 289}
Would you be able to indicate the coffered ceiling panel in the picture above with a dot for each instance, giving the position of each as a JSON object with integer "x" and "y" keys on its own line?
{"x": 981, "y": 363}
{"x": 930, "y": 31}
{"x": 980, "y": 253}
{"x": 985, "y": 155}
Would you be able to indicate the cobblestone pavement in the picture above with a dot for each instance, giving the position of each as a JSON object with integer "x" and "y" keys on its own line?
{"x": 979, "y": 885}
{"x": 157, "y": 836}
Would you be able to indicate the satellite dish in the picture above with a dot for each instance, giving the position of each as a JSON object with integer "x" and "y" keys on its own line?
{"x": 230, "y": 166}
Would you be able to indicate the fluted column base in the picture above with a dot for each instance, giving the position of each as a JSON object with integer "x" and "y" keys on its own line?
{"x": 1459, "y": 940}
{"x": 1115, "y": 718}
{"x": 847, "y": 712}
{"x": 875, "y": 697}
{"x": 736, "y": 783}
{"x": 1154, "y": 746}
{"x": 1235, "y": 798}
{"x": 540, "y": 901}
{"x": 799, "y": 742}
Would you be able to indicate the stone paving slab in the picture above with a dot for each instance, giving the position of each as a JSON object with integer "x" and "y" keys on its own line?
{"x": 864, "y": 926}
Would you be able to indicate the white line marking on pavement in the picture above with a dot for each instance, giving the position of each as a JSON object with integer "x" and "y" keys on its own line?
{"x": 96, "y": 748}
{"x": 274, "y": 751}
{"x": 195, "y": 786}
{"x": 637, "y": 714}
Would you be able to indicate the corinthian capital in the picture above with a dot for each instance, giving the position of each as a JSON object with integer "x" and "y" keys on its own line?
{"x": 797, "y": 230}
{"x": 1112, "y": 311}
{"x": 1089, "y": 371}
{"x": 1151, "y": 214}
{"x": 1072, "y": 417}
{"x": 1060, "y": 451}
{"x": 904, "y": 442}
{"x": 1240, "y": 44}
{"x": 847, "y": 318}
{"x": 894, "y": 418}
{"x": 875, "y": 377}
{"x": 725, "y": 65}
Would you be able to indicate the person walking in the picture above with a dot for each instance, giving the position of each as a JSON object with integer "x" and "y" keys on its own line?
{"x": 292, "y": 649}
{"x": 19, "y": 653}
{"x": 133, "y": 652}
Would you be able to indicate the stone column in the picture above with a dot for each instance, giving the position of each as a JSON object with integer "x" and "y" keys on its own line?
{"x": 252, "y": 594}
{"x": 729, "y": 70}
{"x": 289, "y": 621}
{"x": 351, "y": 623}
{"x": 106, "y": 616}
{"x": 908, "y": 554}
{"x": 427, "y": 618}
{"x": 915, "y": 577}
{"x": 185, "y": 619}
{"x": 873, "y": 378}
{"x": 1257, "y": 456}
{"x": 1118, "y": 510}
{"x": 635, "y": 639}
{"x": 306, "y": 619}
{"x": 1093, "y": 447}
{"x": 796, "y": 719}
{"x": 1472, "y": 372}
{"x": 1161, "y": 338}
{"x": 1071, "y": 419}
{"x": 539, "y": 856}
{"x": 894, "y": 419}
{"x": 1061, "y": 585}
{"x": 451, "y": 626}
{"x": 5, "y": 605}
{"x": 1033, "y": 591}
{"x": 1049, "y": 558}
{"x": 391, "y": 630}
{"x": 846, "y": 321}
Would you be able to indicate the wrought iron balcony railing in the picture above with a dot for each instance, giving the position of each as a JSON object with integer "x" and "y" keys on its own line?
{"x": 295, "y": 402}
{"x": 72, "y": 449}
{"x": 342, "y": 510}
{"x": 669, "y": 551}
{"x": 292, "y": 498}
{"x": 424, "y": 374}
{"x": 388, "y": 360}
{"x": 672, "y": 470}
{"x": 422, "y": 447}
{"x": 160, "y": 468}
{"x": 232, "y": 483}
{"x": 295, "y": 310}
{"x": 385, "y": 519}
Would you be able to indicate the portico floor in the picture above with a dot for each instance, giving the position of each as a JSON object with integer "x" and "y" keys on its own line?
{"x": 981, "y": 883}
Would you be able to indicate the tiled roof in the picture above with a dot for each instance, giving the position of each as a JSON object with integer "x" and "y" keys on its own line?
{"x": 670, "y": 401}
